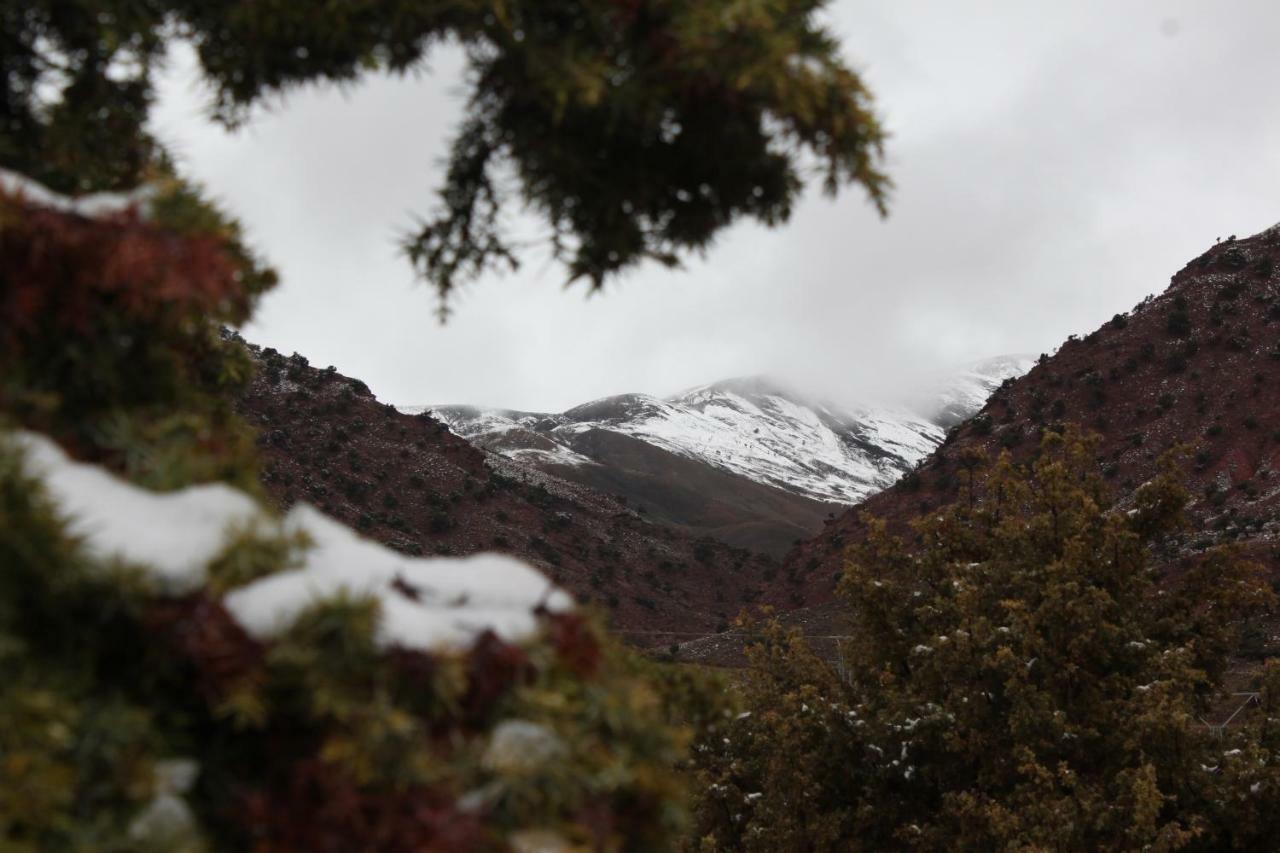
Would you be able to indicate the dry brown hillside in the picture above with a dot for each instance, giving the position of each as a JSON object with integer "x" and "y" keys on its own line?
{"x": 406, "y": 481}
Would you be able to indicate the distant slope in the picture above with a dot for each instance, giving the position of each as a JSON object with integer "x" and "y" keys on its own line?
{"x": 964, "y": 393}
{"x": 406, "y": 481}
{"x": 748, "y": 461}
{"x": 1198, "y": 365}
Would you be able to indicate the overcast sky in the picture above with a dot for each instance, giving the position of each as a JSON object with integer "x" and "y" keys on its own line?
{"x": 1054, "y": 164}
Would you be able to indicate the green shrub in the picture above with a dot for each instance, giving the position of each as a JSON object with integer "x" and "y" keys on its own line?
{"x": 1179, "y": 323}
{"x": 1011, "y": 682}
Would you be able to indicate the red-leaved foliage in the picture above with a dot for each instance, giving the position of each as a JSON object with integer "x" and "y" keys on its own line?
{"x": 222, "y": 654}
{"x": 319, "y": 809}
{"x": 574, "y": 642}
{"x": 493, "y": 668}
{"x": 61, "y": 270}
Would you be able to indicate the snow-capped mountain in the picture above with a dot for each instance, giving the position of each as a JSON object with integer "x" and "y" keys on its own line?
{"x": 754, "y": 428}
{"x": 747, "y": 427}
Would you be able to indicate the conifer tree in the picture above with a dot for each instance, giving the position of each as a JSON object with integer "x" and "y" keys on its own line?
{"x": 1016, "y": 679}
{"x": 635, "y": 130}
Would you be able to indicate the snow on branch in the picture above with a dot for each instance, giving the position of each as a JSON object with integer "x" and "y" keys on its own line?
{"x": 432, "y": 603}
{"x": 426, "y": 602}
{"x": 174, "y": 535}
{"x": 93, "y": 206}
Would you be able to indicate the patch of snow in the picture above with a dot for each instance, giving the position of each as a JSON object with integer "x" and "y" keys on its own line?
{"x": 559, "y": 455}
{"x": 92, "y": 206}
{"x": 426, "y": 602}
{"x": 519, "y": 747}
{"x": 173, "y": 534}
{"x": 167, "y": 818}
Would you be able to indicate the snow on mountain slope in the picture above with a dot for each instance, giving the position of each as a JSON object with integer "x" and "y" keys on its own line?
{"x": 753, "y": 427}
{"x": 965, "y": 392}
{"x": 761, "y": 432}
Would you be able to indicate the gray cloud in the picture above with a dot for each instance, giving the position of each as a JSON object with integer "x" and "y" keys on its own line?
{"x": 1055, "y": 163}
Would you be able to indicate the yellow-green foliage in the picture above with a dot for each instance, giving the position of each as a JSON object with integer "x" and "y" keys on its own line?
{"x": 74, "y": 760}
{"x": 1015, "y": 680}
{"x": 252, "y": 553}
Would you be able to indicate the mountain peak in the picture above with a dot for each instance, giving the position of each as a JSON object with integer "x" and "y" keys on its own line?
{"x": 620, "y": 407}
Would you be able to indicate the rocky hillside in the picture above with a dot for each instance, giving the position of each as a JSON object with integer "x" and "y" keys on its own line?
{"x": 1198, "y": 365}
{"x": 406, "y": 481}
{"x": 748, "y": 461}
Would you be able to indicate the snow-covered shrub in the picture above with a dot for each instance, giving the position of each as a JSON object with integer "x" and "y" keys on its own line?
{"x": 325, "y": 692}
{"x": 180, "y": 668}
